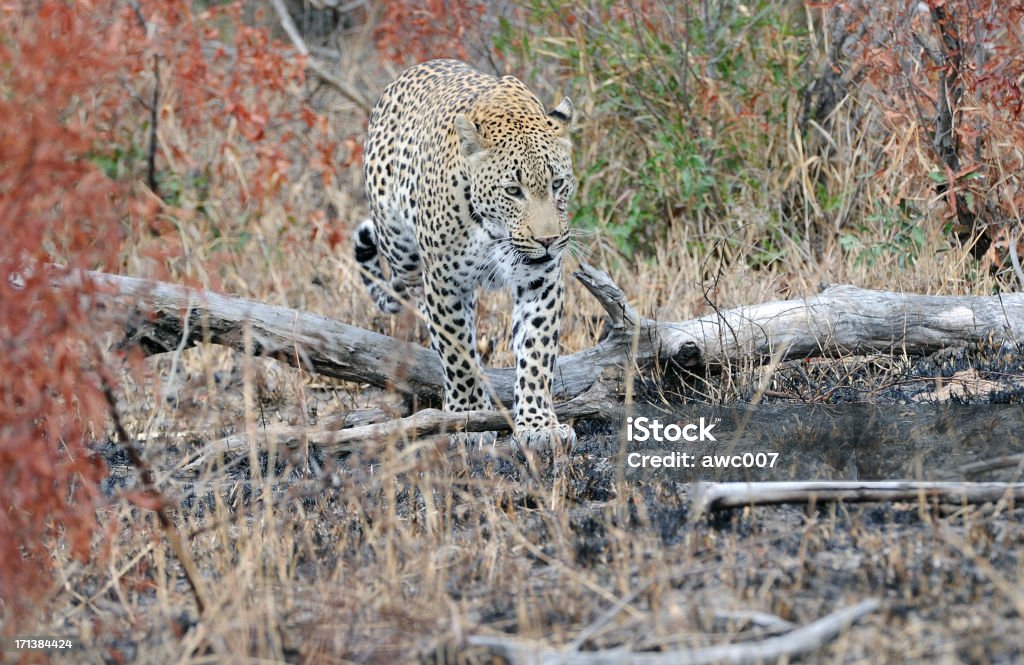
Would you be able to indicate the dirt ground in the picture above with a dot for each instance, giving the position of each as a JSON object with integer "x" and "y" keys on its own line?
{"x": 405, "y": 550}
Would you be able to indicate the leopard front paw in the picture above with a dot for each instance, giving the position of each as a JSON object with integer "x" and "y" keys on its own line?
{"x": 552, "y": 437}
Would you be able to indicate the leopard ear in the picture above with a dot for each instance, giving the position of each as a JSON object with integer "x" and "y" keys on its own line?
{"x": 563, "y": 113}
{"x": 469, "y": 136}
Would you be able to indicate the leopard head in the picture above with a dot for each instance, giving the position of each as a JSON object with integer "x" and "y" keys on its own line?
{"x": 518, "y": 160}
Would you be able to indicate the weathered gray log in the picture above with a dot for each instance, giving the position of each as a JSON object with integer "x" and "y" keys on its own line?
{"x": 848, "y": 320}
{"x": 841, "y": 320}
{"x": 161, "y": 317}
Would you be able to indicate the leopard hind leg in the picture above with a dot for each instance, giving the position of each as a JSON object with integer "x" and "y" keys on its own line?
{"x": 386, "y": 293}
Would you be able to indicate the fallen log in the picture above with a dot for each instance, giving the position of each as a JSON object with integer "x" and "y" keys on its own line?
{"x": 342, "y": 437}
{"x": 842, "y": 320}
{"x": 423, "y": 423}
{"x": 717, "y": 496}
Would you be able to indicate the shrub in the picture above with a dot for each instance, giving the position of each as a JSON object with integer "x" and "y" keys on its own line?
{"x": 824, "y": 119}
{"x": 83, "y": 87}
{"x": 58, "y": 96}
{"x": 945, "y": 75}
{"x": 686, "y": 104}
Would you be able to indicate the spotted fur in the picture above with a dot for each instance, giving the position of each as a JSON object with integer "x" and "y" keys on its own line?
{"x": 468, "y": 180}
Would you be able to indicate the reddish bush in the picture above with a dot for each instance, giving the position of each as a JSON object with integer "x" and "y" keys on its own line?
{"x": 57, "y": 96}
{"x": 79, "y": 81}
{"x": 412, "y": 31}
{"x": 950, "y": 70}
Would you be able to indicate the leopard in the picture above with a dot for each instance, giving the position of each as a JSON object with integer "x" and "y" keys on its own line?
{"x": 468, "y": 181}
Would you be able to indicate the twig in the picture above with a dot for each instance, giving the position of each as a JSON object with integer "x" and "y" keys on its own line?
{"x": 1015, "y": 258}
{"x": 716, "y": 496}
{"x": 983, "y": 466}
{"x": 427, "y": 422}
{"x": 154, "y": 115}
{"x": 312, "y": 64}
{"x": 795, "y": 643}
{"x": 137, "y": 10}
{"x": 762, "y": 620}
{"x": 289, "y": 26}
{"x": 611, "y": 297}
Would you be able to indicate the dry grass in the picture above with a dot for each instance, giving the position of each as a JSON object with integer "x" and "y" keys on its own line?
{"x": 395, "y": 554}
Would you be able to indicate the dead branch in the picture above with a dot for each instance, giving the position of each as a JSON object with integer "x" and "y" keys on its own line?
{"x": 803, "y": 640}
{"x": 345, "y": 436}
{"x": 761, "y": 620}
{"x": 994, "y": 464}
{"x": 842, "y": 320}
{"x": 423, "y": 423}
{"x": 319, "y": 69}
{"x": 717, "y": 496}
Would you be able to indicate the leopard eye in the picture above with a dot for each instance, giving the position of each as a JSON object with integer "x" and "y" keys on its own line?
{"x": 514, "y": 190}
{"x": 556, "y": 184}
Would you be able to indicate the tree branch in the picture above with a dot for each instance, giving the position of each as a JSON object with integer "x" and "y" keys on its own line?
{"x": 319, "y": 69}
{"x": 340, "y": 437}
{"x": 716, "y": 496}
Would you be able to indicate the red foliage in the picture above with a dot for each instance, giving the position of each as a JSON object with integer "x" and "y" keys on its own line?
{"x": 221, "y": 86}
{"x": 55, "y": 205}
{"x": 416, "y": 30}
{"x": 75, "y": 80}
{"x": 953, "y": 73}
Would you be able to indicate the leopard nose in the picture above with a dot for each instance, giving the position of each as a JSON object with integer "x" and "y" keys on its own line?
{"x": 548, "y": 241}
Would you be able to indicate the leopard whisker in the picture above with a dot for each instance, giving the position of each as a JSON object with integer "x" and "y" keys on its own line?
{"x": 577, "y": 249}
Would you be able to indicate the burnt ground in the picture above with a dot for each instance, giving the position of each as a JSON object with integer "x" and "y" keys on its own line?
{"x": 401, "y": 551}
